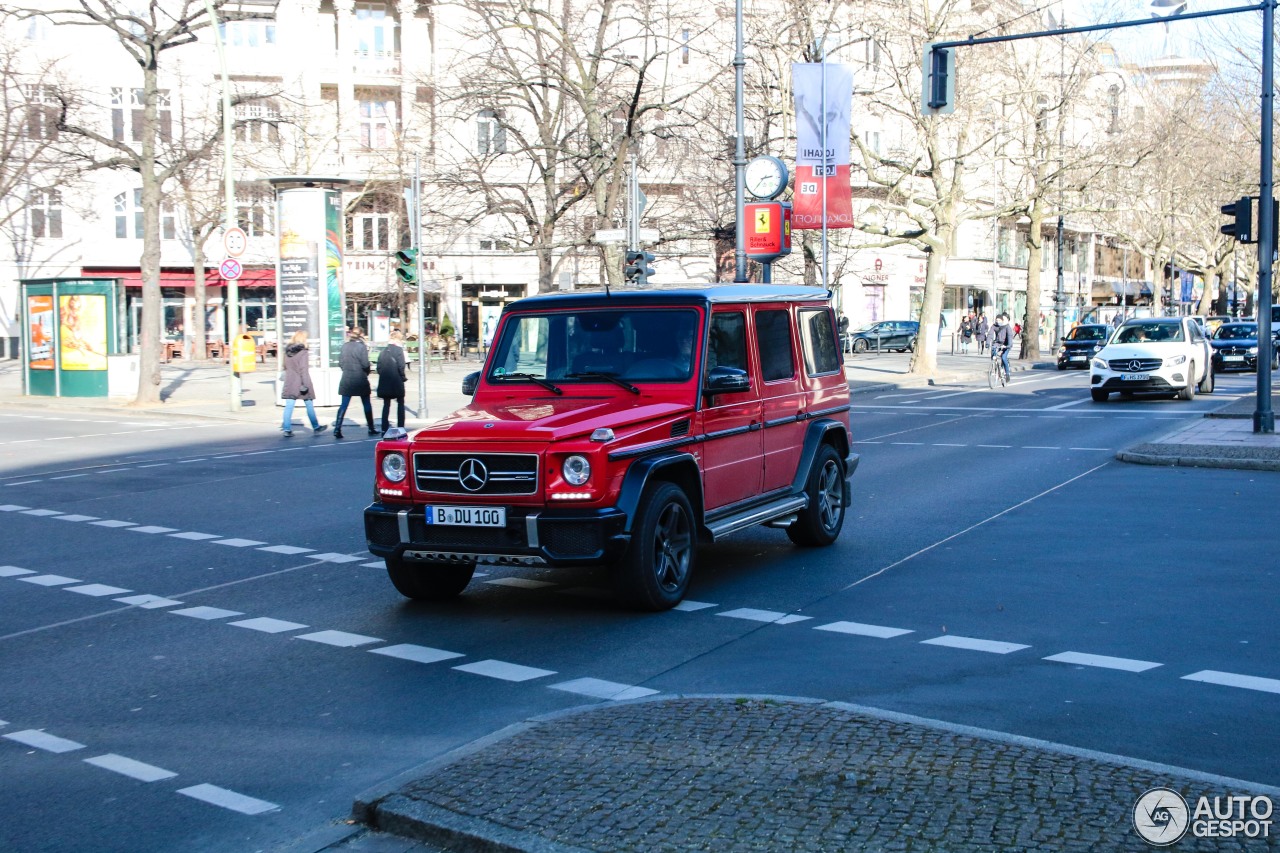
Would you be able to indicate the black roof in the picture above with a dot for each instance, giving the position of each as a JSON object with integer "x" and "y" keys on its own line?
{"x": 698, "y": 294}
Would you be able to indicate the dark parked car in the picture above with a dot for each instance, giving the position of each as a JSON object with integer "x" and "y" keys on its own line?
{"x": 1081, "y": 343}
{"x": 887, "y": 334}
{"x": 1235, "y": 347}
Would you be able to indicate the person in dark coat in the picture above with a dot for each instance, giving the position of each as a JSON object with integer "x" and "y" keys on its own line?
{"x": 354, "y": 362}
{"x": 297, "y": 383}
{"x": 391, "y": 377}
{"x": 981, "y": 331}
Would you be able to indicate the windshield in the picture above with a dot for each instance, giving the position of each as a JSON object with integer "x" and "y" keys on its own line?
{"x": 1236, "y": 332}
{"x": 1148, "y": 333}
{"x": 645, "y": 345}
{"x": 1088, "y": 333}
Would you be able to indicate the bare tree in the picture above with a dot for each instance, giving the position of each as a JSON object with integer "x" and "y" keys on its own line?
{"x": 144, "y": 31}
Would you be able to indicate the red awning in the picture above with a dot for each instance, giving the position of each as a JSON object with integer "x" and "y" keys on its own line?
{"x": 170, "y": 277}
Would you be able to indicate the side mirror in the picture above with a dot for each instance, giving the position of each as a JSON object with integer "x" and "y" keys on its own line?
{"x": 726, "y": 380}
{"x": 470, "y": 382}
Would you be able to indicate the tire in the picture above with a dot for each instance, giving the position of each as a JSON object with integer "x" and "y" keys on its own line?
{"x": 860, "y": 345}
{"x": 821, "y": 521}
{"x": 654, "y": 573}
{"x": 1206, "y": 384}
{"x": 428, "y": 581}
{"x": 1062, "y": 367}
{"x": 991, "y": 374}
{"x": 1004, "y": 375}
{"x": 1188, "y": 393}
{"x": 911, "y": 345}
{"x": 1098, "y": 395}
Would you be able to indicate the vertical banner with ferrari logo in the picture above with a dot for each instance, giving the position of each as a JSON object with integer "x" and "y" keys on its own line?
{"x": 822, "y": 145}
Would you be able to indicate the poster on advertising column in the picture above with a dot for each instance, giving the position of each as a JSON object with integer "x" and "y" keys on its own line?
{"x": 335, "y": 322}
{"x": 301, "y": 223}
{"x": 823, "y": 101}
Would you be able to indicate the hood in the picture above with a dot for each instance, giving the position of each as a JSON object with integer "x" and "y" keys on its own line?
{"x": 548, "y": 419}
{"x": 294, "y": 349}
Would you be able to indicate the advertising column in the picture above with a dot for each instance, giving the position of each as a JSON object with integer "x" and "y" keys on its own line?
{"x": 309, "y": 276}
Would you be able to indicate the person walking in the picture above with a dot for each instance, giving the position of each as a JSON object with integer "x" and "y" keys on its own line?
{"x": 354, "y": 362}
{"x": 981, "y": 333}
{"x": 391, "y": 378}
{"x": 966, "y": 333}
{"x": 297, "y": 383}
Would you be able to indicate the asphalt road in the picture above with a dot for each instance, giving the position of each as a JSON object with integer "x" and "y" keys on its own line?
{"x": 999, "y": 569}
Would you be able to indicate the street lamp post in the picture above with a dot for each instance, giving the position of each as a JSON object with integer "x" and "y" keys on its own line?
{"x": 229, "y": 201}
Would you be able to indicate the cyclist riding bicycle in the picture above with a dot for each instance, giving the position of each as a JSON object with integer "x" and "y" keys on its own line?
{"x": 1002, "y": 336}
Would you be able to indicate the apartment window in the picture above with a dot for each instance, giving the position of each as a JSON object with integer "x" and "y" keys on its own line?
{"x": 129, "y": 217}
{"x": 39, "y": 28}
{"x": 873, "y": 141}
{"x": 684, "y": 47}
{"x": 44, "y": 214}
{"x": 491, "y": 136}
{"x": 1113, "y": 105}
{"x": 376, "y": 118}
{"x": 495, "y": 246}
{"x": 375, "y": 31}
{"x": 43, "y": 111}
{"x": 871, "y": 53}
{"x": 258, "y": 121}
{"x": 255, "y": 206}
{"x": 249, "y": 35}
{"x": 371, "y": 232}
{"x": 127, "y": 113}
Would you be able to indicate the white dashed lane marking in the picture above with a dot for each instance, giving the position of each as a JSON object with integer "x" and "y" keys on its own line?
{"x": 207, "y": 613}
{"x": 269, "y": 626}
{"x": 50, "y": 580}
{"x": 688, "y": 605}
{"x": 288, "y": 550}
{"x": 331, "y": 557}
{"x": 598, "y": 689}
{"x": 43, "y": 740}
{"x": 111, "y": 522}
{"x": 149, "y": 602}
{"x": 338, "y": 638}
{"x": 77, "y": 518}
{"x": 880, "y": 631}
{"x": 223, "y": 798}
{"x": 13, "y": 572}
{"x": 194, "y": 536}
{"x": 777, "y": 618}
{"x": 41, "y": 512}
{"x": 1103, "y": 661}
{"x": 417, "y": 654}
{"x": 504, "y": 671}
{"x": 237, "y": 543}
{"x": 129, "y": 767}
{"x": 152, "y": 528}
{"x": 97, "y": 590}
{"x": 994, "y": 647}
{"x": 1230, "y": 679}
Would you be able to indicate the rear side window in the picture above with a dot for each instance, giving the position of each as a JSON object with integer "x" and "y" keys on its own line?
{"x": 773, "y": 337}
{"x": 728, "y": 341}
{"x": 818, "y": 335}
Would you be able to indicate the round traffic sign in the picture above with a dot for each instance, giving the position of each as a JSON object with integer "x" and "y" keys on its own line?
{"x": 230, "y": 269}
{"x": 235, "y": 241}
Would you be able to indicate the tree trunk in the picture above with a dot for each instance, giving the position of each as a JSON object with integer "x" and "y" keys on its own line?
{"x": 149, "y": 266}
{"x": 924, "y": 361}
{"x": 199, "y": 337}
{"x": 1030, "y": 346}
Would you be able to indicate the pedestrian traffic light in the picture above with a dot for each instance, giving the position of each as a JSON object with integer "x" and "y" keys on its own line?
{"x": 1240, "y": 223}
{"x": 939, "y": 96}
{"x": 407, "y": 266}
{"x": 638, "y": 269}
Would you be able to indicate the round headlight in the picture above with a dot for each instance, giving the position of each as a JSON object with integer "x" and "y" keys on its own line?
{"x": 1253, "y": 350}
{"x": 577, "y": 470}
{"x": 393, "y": 467}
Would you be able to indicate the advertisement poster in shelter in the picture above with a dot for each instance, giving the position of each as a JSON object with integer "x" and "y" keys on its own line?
{"x": 40, "y": 332}
{"x": 82, "y": 332}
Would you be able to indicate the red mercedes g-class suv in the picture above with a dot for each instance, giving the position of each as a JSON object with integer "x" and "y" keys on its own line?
{"x": 624, "y": 428}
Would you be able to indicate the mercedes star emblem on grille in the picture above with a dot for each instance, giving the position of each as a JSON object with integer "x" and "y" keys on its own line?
{"x": 473, "y": 475}
{"x": 1134, "y": 365}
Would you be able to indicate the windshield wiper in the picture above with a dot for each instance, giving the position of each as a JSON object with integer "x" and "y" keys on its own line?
{"x": 538, "y": 379}
{"x": 608, "y": 377}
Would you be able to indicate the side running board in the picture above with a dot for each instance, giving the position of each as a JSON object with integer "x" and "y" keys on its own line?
{"x": 722, "y": 527}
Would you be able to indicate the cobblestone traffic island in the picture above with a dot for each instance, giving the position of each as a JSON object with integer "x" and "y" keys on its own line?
{"x": 706, "y": 773}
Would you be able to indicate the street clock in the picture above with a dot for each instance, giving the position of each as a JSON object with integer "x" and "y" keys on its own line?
{"x": 766, "y": 177}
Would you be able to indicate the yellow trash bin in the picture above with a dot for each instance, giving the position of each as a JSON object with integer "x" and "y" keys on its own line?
{"x": 244, "y": 354}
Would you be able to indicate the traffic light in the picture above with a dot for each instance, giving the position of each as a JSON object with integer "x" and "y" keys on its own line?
{"x": 638, "y": 269}
{"x": 407, "y": 266}
{"x": 939, "y": 96}
{"x": 1240, "y": 223}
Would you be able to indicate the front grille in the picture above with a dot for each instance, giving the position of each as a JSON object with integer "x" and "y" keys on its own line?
{"x": 1135, "y": 365}
{"x": 476, "y": 473}
{"x": 382, "y": 529}
{"x": 458, "y": 536}
{"x": 570, "y": 539}
{"x": 1233, "y": 350}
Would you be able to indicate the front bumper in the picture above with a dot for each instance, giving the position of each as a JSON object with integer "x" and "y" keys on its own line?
{"x": 1173, "y": 379}
{"x": 1078, "y": 358}
{"x": 1247, "y": 362}
{"x": 533, "y": 536}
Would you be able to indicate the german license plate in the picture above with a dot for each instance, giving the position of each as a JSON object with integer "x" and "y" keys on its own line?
{"x": 1134, "y": 377}
{"x": 467, "y": 516}
{"x": 1233, "y": 358}
{"x": 1076, "y": 357}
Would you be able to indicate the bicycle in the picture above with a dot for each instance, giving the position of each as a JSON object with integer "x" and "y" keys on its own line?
{"x": 997, "y": 372}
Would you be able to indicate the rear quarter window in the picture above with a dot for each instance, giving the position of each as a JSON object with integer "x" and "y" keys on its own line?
{"x": 818, "y": 337}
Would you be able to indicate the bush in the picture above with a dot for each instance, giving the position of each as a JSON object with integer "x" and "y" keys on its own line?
{"x": 446, "y": 327}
